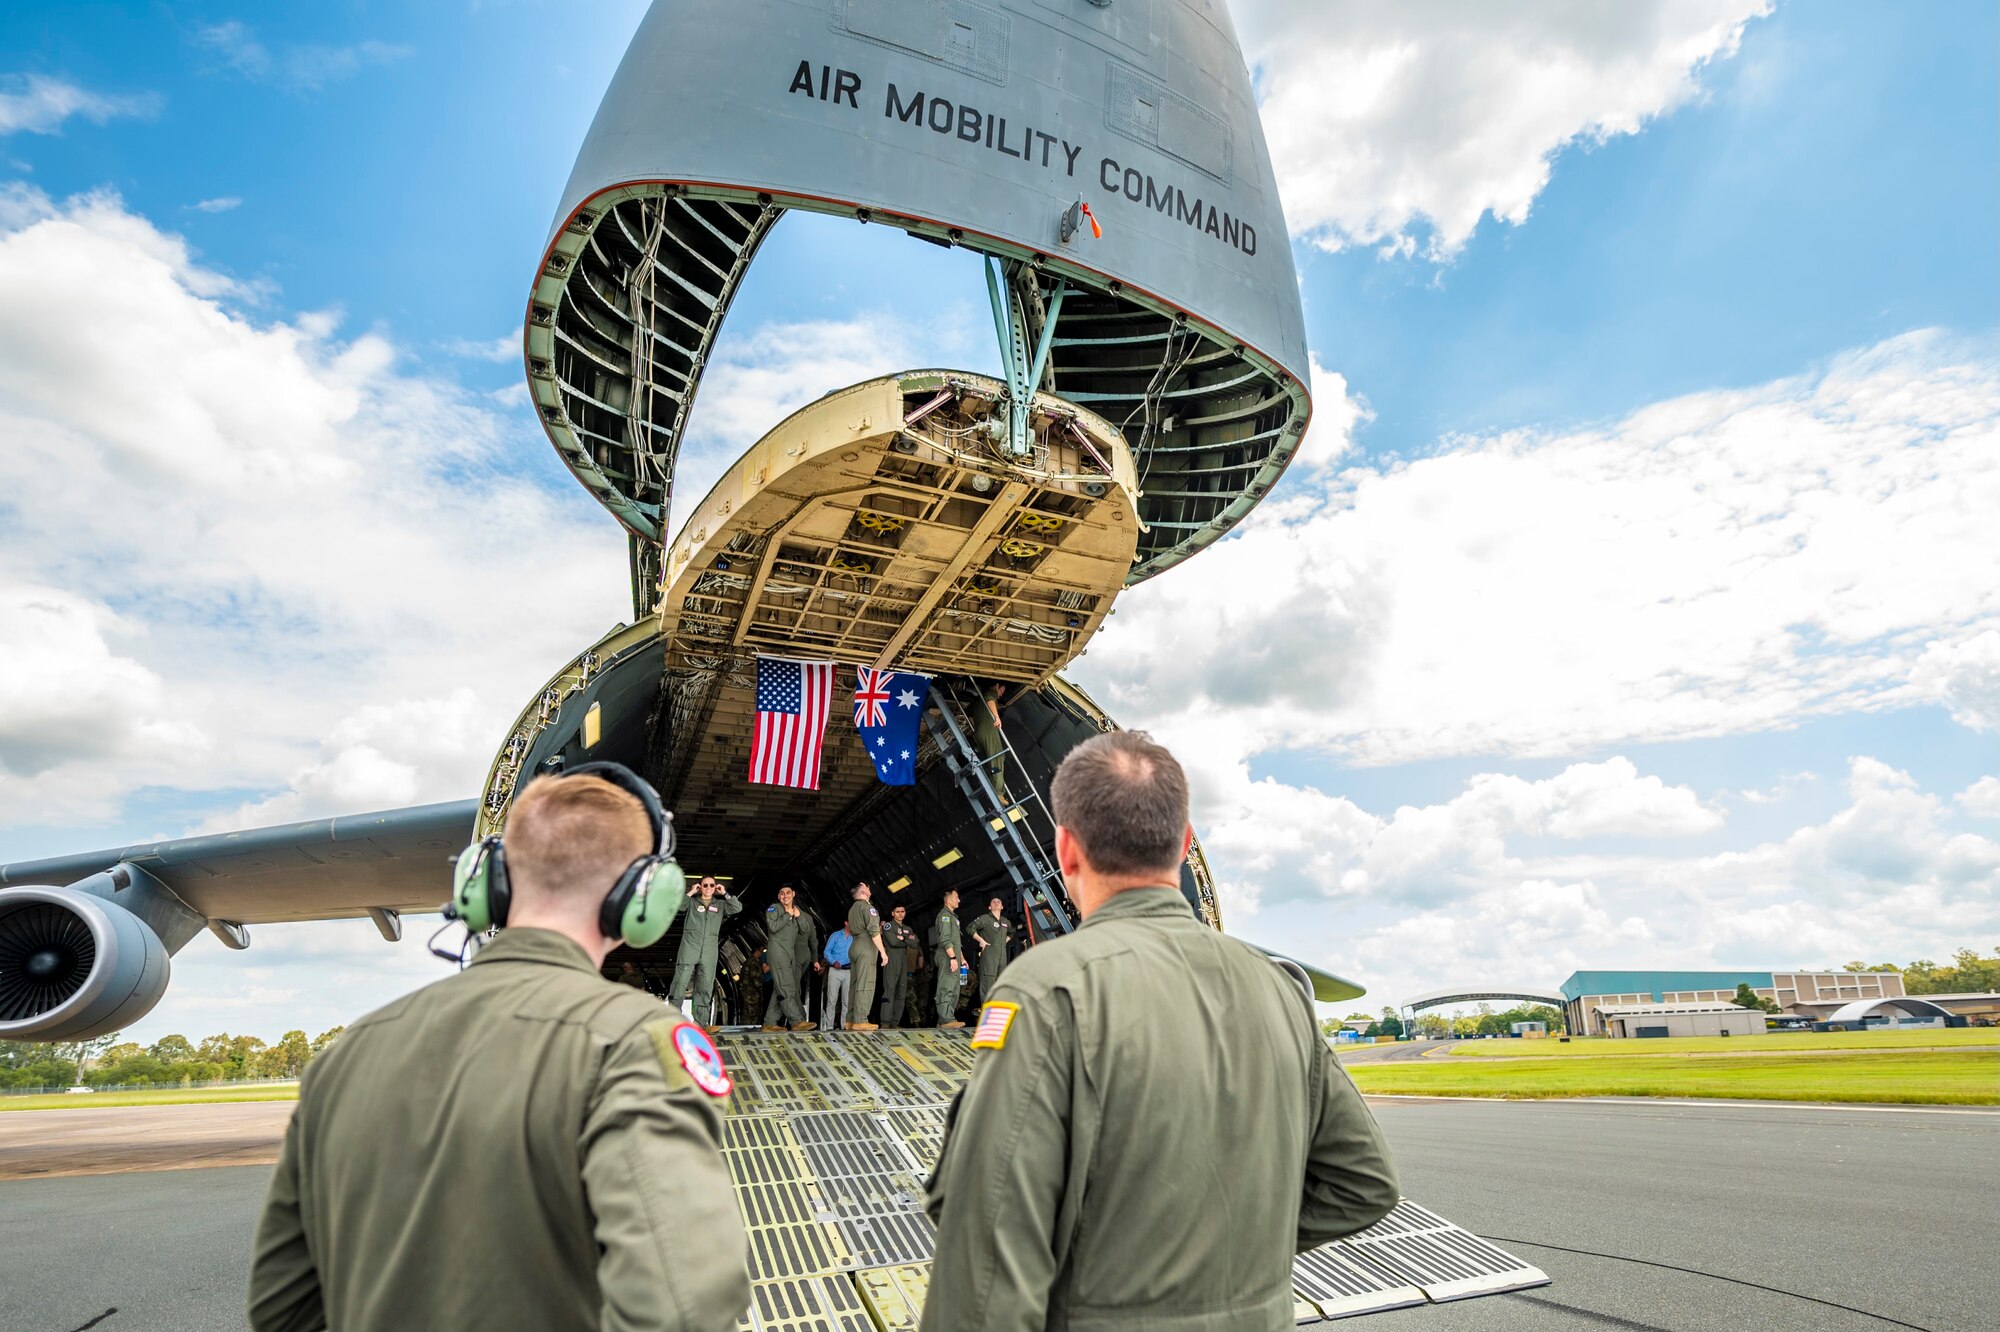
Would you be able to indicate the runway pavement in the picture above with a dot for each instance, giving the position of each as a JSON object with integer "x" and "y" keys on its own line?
{"x": 1885, "y": 1211}
{"x": 140, "y": 1137}
{"x": 1392, "y": 1053}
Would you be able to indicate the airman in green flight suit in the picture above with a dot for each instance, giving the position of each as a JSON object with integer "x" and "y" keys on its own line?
{"x": 992, "y": 742}
{"x": 701, "y": 932}
{"x": 865, "y": 954}
{"x": 898, "y": 939}
{"x": 1124, "y": 1053}
{"x": 520, "y": 1145}
{"x": 991, "y": 934}
{"x": 791, "y": 943}
{"x": 948, "y": 952}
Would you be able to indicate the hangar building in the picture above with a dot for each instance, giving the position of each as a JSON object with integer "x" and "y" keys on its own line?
{"x": 1589, "y": 996}
{"x": 1710, "y": 1017}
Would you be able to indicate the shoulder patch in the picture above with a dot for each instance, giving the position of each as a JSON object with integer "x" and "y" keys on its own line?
{"x": 686, "y": 1048}
{"x": 994, "y": 1020}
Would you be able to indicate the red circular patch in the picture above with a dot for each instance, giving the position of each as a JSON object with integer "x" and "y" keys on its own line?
{"x": 702, "y": 1060}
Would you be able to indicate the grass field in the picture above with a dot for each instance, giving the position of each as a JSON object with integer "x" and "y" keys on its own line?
{"x": 264, "y": 1091}
{"x": 1786, "y": 1041}
{"x": 1907, "y": 1077}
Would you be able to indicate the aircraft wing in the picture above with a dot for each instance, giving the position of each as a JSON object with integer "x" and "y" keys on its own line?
{"x": 1329, "y": 988}
{"x": 397, "y": 859}
{"x": 1322, "y": 985}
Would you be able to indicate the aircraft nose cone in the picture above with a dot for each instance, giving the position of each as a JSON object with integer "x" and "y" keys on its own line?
{"x": 45, "y": 963}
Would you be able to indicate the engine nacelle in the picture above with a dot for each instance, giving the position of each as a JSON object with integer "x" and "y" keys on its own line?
{"x": 73, "y": 966}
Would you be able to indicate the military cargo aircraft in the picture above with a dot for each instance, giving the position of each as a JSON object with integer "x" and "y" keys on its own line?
{"x": 1104, "y": 163}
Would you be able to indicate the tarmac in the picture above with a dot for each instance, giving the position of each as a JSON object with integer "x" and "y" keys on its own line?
{"x": 1886, "y": 1211}
{"x": 129, "y": 1139}
{"x": 1394, "y": 1052}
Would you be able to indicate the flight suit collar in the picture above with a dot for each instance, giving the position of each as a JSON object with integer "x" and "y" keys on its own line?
{"x": 1137, "y": 903}
{"x": 526, "y": 944}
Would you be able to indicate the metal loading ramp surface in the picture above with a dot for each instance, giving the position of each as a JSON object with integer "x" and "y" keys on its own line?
{"x": 832, "y": 1135}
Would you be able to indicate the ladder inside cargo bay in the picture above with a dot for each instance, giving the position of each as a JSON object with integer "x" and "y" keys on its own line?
{"x": 1030, "y": 866}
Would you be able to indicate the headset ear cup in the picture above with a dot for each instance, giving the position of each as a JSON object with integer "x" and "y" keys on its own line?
{"x": 479, "y": 892}
{"x": 499, "y": 887}
{"x": 654, "y": 899}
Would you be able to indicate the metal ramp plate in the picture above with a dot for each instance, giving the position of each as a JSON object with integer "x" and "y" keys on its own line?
{"x": 1334, "y": 1285}
{"x": 811, "y": 1304}
{"x": 895, "y": 1295}
{"x": 1415, "y": 1245}
{"x": 832, "y": 1135}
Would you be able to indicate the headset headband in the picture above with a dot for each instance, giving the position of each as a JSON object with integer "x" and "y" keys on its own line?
{"x": 638, "y": 787}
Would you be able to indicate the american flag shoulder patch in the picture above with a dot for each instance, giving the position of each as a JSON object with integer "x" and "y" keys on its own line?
{"x": 994, "y": 1020}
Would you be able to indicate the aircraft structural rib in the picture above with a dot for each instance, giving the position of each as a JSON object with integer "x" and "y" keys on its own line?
{"x": 990, "y": 126}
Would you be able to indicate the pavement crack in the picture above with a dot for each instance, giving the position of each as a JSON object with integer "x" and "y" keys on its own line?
{"x": 81, "y": 1327}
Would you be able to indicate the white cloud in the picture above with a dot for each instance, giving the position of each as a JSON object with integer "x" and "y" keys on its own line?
{"x": 1459, "y": 892}
{"x": 1724, "y": 562}
{"x": 1336, "y": 415}
{"x": 1269, "y": 841}
{"x": 65, "y": 694}
{"x": 1385, "y": 113}
{"x": 287, "y": 565}
{"x": 1528, "y": 932}
{"x": 755, "y": 379}
{"x": 1964, "y": 676}
{"x": 38, "y": 104}
{"x": 1780, "y": 790}
{"x": 506, "y": 347}
{"x": 1981, "y": 799}
{"x": 222, "y": 204}
{"x": 387, "y": 755}
{"x": 306, "y": 67}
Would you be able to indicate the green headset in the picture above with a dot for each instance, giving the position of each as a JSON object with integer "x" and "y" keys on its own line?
{"x": 637, "y": 910}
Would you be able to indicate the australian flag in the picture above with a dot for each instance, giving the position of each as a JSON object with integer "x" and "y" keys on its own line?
{"x": 888, "y": 707}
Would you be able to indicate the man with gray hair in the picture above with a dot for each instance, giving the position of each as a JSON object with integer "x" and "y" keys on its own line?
{"x": 1142, "y": 1039}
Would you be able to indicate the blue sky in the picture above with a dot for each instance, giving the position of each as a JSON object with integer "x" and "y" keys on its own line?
{"x": 1782, "y": 242}
{"x": 1834, "y": 186}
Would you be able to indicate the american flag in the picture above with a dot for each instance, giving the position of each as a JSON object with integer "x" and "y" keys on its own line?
{"x": 994, "y": 1019}
{"x": 793, "y": 699}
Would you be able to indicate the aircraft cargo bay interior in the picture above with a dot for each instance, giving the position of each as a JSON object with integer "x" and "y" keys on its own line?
{"x": 887, "y": 522}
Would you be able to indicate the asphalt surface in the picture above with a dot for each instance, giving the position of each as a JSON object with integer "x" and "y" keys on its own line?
{"x": 1393, "y": 1053}
{"x": 1886, "y": 1211}
{"x": 121, "y": 1139}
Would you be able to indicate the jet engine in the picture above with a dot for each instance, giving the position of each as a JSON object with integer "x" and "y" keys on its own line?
{"x": 73, "y": 966}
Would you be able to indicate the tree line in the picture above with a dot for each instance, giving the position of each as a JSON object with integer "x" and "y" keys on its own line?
{"x": 1968, "y": 973}
{"x": 1436, "y": 1026}
{"x": 171, "y": 1061}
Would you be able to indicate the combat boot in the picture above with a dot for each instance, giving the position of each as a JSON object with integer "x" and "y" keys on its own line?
{"x": 807, "y": 1025}
{"x": 861, "y": 1026}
